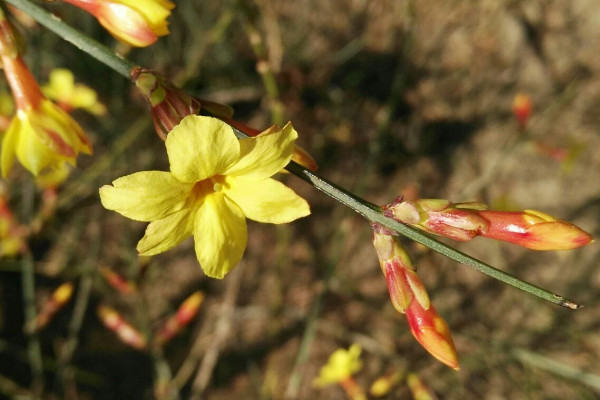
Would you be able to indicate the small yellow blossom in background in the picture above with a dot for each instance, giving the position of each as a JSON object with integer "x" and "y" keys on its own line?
{"x": 70, "y": 95}
{"x": 216, "y": 182}
{"x": 138, "y": 23}
{"x": 341, "y": 365}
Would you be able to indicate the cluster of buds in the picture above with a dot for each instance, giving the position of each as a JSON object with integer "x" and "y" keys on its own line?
{"x": 463, "y": 221}
{"x": 58, "y": 299}
{"x": 409, "y": 297}
{"x": 41, "y": 135}
{"x": 169, "y": 105}
{"x": 138, "y": 23}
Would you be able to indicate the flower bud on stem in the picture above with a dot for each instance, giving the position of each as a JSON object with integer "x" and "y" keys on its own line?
{"x": 410, "y": 297}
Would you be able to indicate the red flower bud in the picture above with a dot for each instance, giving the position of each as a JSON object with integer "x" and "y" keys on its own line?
{"x": 521, "y": 108}
{"x": 138, "y": 23}
{"x": 463, "y": 221}
{"x": 116, "y": 323}
{"x": 432, "y": 332}
{"x": 185, "y": 313}
{"x": 410, "y": 297}
{"x": 117, "y": 282}
{"x": 59, "y": 298}
{"x": 534, "y": 230}
{"x": 169, "y": 104}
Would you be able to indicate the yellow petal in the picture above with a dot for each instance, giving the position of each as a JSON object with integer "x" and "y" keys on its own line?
{"x": 145, "y": 196}
{"x": 29, "y": 146}
{"x": 9, "y": 142}
{"x": 167, "y": 233}
{"x": 53, "y": 176}
{"x": 266, "y": 200}
{"x": 58, "y": 130}
{"x": 125, "y": 23}
{"x": 220, "y": 235}
{"x": 200, "y": 147}
{"x": 264, "y": 155}
{"x": 155, "y": 12}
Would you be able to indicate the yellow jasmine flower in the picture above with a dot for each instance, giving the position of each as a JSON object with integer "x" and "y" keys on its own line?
{"x": 43, "y": 137}
{"x": 215, "y": 182}
{"x": 135, "y": 22}
{"x": 69, "y": 95}
{"x": 341, "y": 365}
{"x": 41, "y": 134}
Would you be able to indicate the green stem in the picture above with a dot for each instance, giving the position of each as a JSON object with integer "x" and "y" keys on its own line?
{"x": 368, "y": 210}
{"x": 373, "y": 213}
{"x": 84, "y": 43}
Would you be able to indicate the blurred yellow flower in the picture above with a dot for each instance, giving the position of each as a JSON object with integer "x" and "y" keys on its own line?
{"x": 43, "y": 137}
{"x": 41, "y": 134}
{"x": 136, "y": 22}
{"x": 216, "y": 182}
{"x": 70, "y": 95}
{"x": 341, "y": 365}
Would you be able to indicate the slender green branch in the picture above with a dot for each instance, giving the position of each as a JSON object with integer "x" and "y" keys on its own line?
{"x": 373, "y": 213}
{"x": 84, "y": 43}
{"x": 368, "y": 210}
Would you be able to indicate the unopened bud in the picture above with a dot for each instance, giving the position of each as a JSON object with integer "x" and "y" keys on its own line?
{"x": 521, "y": 108}
{"x": 419, "y": 390}
{"x": 59, "y": 298}
{"x": 185, "y": 313}
{"x": 409, "y": 296}
{"x": 384, "y": 384}
{"x": 117, "y": 282}
{"x": 534, "y": 230}
{"x": 116, "y": 323}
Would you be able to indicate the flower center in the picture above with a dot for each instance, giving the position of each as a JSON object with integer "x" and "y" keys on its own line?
{"x": 218, "y": 183}
{"x": 203, "y": 188}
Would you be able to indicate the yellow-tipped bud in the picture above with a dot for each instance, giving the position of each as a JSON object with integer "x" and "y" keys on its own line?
{"x": 125, "y": 331}
{"x": 419, "y": 390}
{"x": 463, "y": 221}
{"x": 184, "y": 315}
{"x": 410, "y": 297}
{"x": 138, "y": 23}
